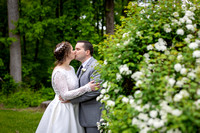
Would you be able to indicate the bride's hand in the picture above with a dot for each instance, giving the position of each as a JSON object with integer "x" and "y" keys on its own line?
{"x": 94, "y": 86}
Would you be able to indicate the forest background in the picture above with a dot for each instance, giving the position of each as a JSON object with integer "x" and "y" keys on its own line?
{"x": 40, "y": 26}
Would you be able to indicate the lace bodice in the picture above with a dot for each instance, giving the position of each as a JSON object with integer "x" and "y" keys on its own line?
{"x": 65, "y": 82}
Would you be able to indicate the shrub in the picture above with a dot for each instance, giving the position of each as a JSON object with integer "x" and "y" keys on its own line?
{"x": 8, "y": 85}
{"x": 23, "y": 99}
{"x": 22, "y": 96}
{"x": 151, "y": 70}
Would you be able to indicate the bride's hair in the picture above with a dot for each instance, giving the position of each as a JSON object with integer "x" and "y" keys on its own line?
{"x": 61, "y": 52}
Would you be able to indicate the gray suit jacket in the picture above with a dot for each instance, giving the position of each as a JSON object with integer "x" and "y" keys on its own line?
{"x": 89, "y": 108}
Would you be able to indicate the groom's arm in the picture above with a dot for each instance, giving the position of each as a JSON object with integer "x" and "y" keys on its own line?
{"x": 89, "y": 95}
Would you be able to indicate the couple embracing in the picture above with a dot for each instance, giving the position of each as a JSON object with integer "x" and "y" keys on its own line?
{"x": 74, "y": 108}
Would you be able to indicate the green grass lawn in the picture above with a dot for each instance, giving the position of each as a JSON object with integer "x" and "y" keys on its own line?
{"x": 19, "y": 121}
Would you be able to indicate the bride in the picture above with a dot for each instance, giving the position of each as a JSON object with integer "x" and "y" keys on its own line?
{"x": 63, "y": 117}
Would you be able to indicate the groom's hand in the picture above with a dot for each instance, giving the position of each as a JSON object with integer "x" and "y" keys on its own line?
{"x": 62, "y": 100}
{"x": 65, "y": 101}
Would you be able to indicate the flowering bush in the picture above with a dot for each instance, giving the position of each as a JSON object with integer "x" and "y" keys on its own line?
{"x": 152, "y": 70}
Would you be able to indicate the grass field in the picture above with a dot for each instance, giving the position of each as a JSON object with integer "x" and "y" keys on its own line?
{"x": 19, "y": 120}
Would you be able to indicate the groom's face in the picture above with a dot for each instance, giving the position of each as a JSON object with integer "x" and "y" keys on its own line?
{"x": 80, "y": 52}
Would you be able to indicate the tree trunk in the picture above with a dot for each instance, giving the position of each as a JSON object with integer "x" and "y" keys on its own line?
{"x": 103, "y": 15}
{"x": 57, "y": 10}
{"x": 15, "y": 48}
{"x": 110, "y": 16}
{"x": 76, "y": 16}
{"x": 36, "y": 50}
{"x": 61, "y": 8}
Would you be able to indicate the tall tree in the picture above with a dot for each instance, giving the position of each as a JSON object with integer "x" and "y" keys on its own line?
{"x": 15, "y": 48}
{"x": 110, "y": 16}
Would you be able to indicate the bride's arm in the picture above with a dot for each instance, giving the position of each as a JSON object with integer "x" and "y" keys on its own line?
{"x": 60, "y": 82}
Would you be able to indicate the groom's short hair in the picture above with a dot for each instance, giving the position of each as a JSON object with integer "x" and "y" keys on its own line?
{"x": 87, "y": 46}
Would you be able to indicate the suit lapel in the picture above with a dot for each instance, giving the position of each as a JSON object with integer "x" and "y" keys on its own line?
{"x": 86, "y": 67}
{"x": 89, "y": 62}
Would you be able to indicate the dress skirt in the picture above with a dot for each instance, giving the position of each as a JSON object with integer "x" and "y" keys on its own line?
{"x": 60, "y": 118}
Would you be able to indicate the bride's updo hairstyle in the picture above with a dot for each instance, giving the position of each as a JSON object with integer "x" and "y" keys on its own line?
{"x": 61, "y": 52}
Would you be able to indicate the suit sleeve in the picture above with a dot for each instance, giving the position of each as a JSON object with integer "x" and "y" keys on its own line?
{"x": 89, "y": 95}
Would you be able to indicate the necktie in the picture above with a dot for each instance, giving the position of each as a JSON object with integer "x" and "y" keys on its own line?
{"x": 79, "y": 72}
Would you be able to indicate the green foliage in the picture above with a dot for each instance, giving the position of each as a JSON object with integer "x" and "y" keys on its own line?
{"x": 151, "y": 70}
{"x": 8, "y": 85}
{"x": 46, "y": 93}
{"x": 22, "y": 99}
{"x": 1, "y": 62}
{"x": 43, "y": 24}
{"x": 21, "y": 95}
{"x": 7, "y": 41}
{"x": 27, "y": 98}
{"x": 41, "y": 29}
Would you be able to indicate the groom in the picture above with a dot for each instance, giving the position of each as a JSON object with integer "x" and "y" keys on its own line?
{"x": 89, "y": 108}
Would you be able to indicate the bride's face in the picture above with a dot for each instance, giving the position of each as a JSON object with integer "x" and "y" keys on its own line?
{"x": 72, "y": 54}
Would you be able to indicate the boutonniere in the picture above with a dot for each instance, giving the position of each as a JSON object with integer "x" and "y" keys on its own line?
{"x": 83, "y": 70}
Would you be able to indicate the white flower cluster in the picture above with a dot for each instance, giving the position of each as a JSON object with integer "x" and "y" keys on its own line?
{"x": 165, "y": 109}
{"x": 175, "y": 14}
{"x": 190, "y": 27}
{"x": 137, "y": 75}
{"x": 193, "y": 45}
{"x": 198, "y": 34}
{"x": 188, "y": 38}
{"x": 102, "y": 123}
{"x": 192, "y": 74}
{"x": 171, "y": 81}
{"x": 197, "y": 104}
{"x": 152, "y": 120}
{"x": 175, "y": 22}
{"x": 104, "y": 96}
{"x": 105, "y": 62}
{"x": 179, "y": 57}
{"x": 180, "y": 32}
{"x": 150, "y": 47}
{"x": 118, "y": 77}
{"x": 126, "y": 34}
{"x": 161, "y": 45}
{"x": 167, "y": 28}
{"x": 189, "y": 16}
{"x": 138, "y": 34}
{"x": 184, "y": 72}
{"x": 196, "y": 54}
{"x": 125, "y": 100}
{"x": 110, "y": 103}
{"x": 138, "y": 94}
{"x": 146, "y": 55}
{"x": 186, "y": 19}
{"x": 179, "y": 96}
{"x": 127, "y": 42}
{"x": 173, "y": 131}
{"x": 177, "y": 67}
{"x": 124, "y": 69}
{"x": 181, "y": 82}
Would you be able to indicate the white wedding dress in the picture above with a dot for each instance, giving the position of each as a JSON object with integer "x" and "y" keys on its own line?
{"x": 63, "y": 117}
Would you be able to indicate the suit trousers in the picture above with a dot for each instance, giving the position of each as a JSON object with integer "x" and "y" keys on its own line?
{"x": 91, "y": 130}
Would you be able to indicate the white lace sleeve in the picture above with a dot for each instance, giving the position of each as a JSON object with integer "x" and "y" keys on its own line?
{"x": 60, "y": 81}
